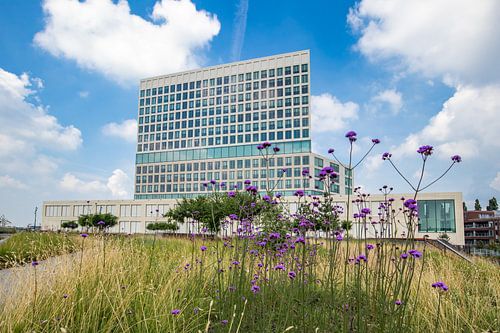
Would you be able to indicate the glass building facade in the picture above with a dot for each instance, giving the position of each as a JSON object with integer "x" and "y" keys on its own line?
{"x": 206, "y": 124}
{"x": 436, "y": 216}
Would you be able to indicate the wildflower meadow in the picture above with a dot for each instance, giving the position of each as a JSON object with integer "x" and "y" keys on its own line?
{"x": 251, "y": 263}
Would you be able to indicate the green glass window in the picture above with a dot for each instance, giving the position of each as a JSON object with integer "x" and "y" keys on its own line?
{"x": 436, "y": 216}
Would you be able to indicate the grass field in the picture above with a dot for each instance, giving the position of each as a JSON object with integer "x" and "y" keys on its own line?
{"x": 25, "y": 247}
{"x": 137, "y": 284}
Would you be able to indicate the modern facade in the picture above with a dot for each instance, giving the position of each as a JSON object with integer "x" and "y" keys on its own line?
{"x": 439, "y": 213}
{"x": 206, "y": 124}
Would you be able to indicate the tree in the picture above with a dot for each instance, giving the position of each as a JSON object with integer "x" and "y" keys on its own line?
{"x": 477, "y": 205}
{"x": 69, "y": 225}
{"x": 492, "y": 204}
{"x": 92, "y": 220}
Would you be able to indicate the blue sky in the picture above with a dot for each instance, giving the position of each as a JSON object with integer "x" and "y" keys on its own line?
{"x": 407, "y": 72}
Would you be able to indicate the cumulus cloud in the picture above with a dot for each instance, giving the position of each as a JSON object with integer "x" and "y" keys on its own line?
{"x": 126, "y": 130}
{"x": 495, "y": 183}
{"x": 390, "y": 98}
{"x": 116, "y": 185}
{"x": 104, "y": 36}
{"x": 29, "y": 132}
{"x": 9, "y": 182}
{"x": 453, "y": 39}
{"x": 330, "y": 114}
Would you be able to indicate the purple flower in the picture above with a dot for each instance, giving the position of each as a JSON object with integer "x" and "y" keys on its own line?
{"x": 260, "y": 147}
{"x": 331, "y": 150}
{"x": 223, "y": 184}
{"x": 175, "y": 312}
{"x": 411, "y": 204}
{"x": 351, "y": 135}
{"x": 370, "y": 246}
{"x": 266, "y": 198}
{"x": 339, "y": 237}
{"x": 280, "y": 267}
{"x": 212, "y": 181}
{"x": 224, "y": 322}
{"x": 366, "y": 211}
{"x": 205, "y": 184}
{"x": 386, "y": 156}
{"x": 84, "y": 235}
{"x": 236, "y": 263}
{"x": 440, "y": 285}
{"x": 403, "y": 255}
{"x": 248, "y": 182}
{"x": 361, "y": 257}
{"x": 203, "y": 248}
{"x": 101, "y": 223}
{"x": 231, "y": 194}
{"x": 299, "y": 193}
{"x": 292, "y": 275}
{"x": 276, "y": 149}
{"x": 278, "y": 195}
{"x": 255, "y": 289}
{"x": 65, "y": 296}
{"x": 305, "y": 172}
{"x": 425, "y": 150}
{"x": 233, "y": 216}
{"x": 300, "y": 240}
{"x": 415, "y": 253}
{"x": 456, "y": 158}
{"x": 34, "y": 263}
{"x": 376, "y": 141}
{"x": 398, "y": 302}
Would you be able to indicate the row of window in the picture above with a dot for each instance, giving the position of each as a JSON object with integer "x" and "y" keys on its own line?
{"x": 256, "y": 75}
{"x": 224, "y": 165}
{"x": 249, "y": 106}
{"x": 249, "y": 150}
{"x": 236, "y": 93}
{"x": 217, "y": 141}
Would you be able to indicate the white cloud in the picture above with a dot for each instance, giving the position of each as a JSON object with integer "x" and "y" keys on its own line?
{"x": 9, "y": 182}
{"x": 83, "y": 94}
{"x": 105, "y": 36}
{"x": 495, "y": 183}
{"x": 126, "y": 130}
{"x": 390, "y": 97}
{"x": 116, "y": 185}
{"x": 453, "y": 39}
{"x": 240, "y": 25}
{"x": 119, "y": 184}
{"x": 330, "y": 114}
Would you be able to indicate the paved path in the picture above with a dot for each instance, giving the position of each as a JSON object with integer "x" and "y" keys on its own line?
{"x": 14, "y": 281}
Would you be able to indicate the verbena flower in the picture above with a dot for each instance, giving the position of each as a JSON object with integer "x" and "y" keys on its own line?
{"x": 376, "y": 141}
{"x": 351, "y": 135}
{"x": 84, "y": 235}
{"x": 276, "y": 149}
{"x": 386, "y": 156}
{"x": 175, "y": 312}
{"x": 213, "y": 181}
{"x": 370, "y": 246}
{"x": 292, "y": 275}
{"x": 425, "y": 150}
{"x": 255, "y": 289}
{"x": 403, "y": 256}
{"x": 101, "y": 223}
{"x": 299, "y": 193}
{"x": 231, "y": 194}
{"x": 456, "y": 158}
{"x": 398, "y": 302}
{"x": 366, "y": 211}
{"x": 415, "y": 253}
{"x": 279, "y": 267}
{"x": 235, "y": 262}
{"x": 224, "y": 322}
{"x": 34, "y": 263}
{"x": 203, "y": 248}
{"x": 440, "y": 286}
{"x": 248, "y": 182}
{"x": 331, "y": 150}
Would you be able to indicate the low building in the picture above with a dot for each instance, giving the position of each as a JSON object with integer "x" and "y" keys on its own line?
{"x": 481, "y": 228}
{"x": 440, "y": 213}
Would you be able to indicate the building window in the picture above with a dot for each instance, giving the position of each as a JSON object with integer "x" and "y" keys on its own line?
{"x": 436, "y": 216}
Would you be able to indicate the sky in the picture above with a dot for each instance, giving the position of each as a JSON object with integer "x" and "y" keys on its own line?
{"x": 408, "y": 72}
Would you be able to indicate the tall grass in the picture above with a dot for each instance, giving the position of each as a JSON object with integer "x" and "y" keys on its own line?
{"x": 25, "y": 247}
{"x": 129, "y": 295}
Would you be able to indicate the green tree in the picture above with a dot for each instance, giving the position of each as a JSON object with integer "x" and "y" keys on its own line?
{"x": 464, "y": 206}
{"x": 492, "y": 204}
{"x": 477, "y": 205}
{"x": 92, "y": 220}
{"x": 69, "y": 225}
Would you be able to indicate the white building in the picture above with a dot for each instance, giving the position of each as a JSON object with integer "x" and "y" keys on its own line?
{"x": 206, "y": 124}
